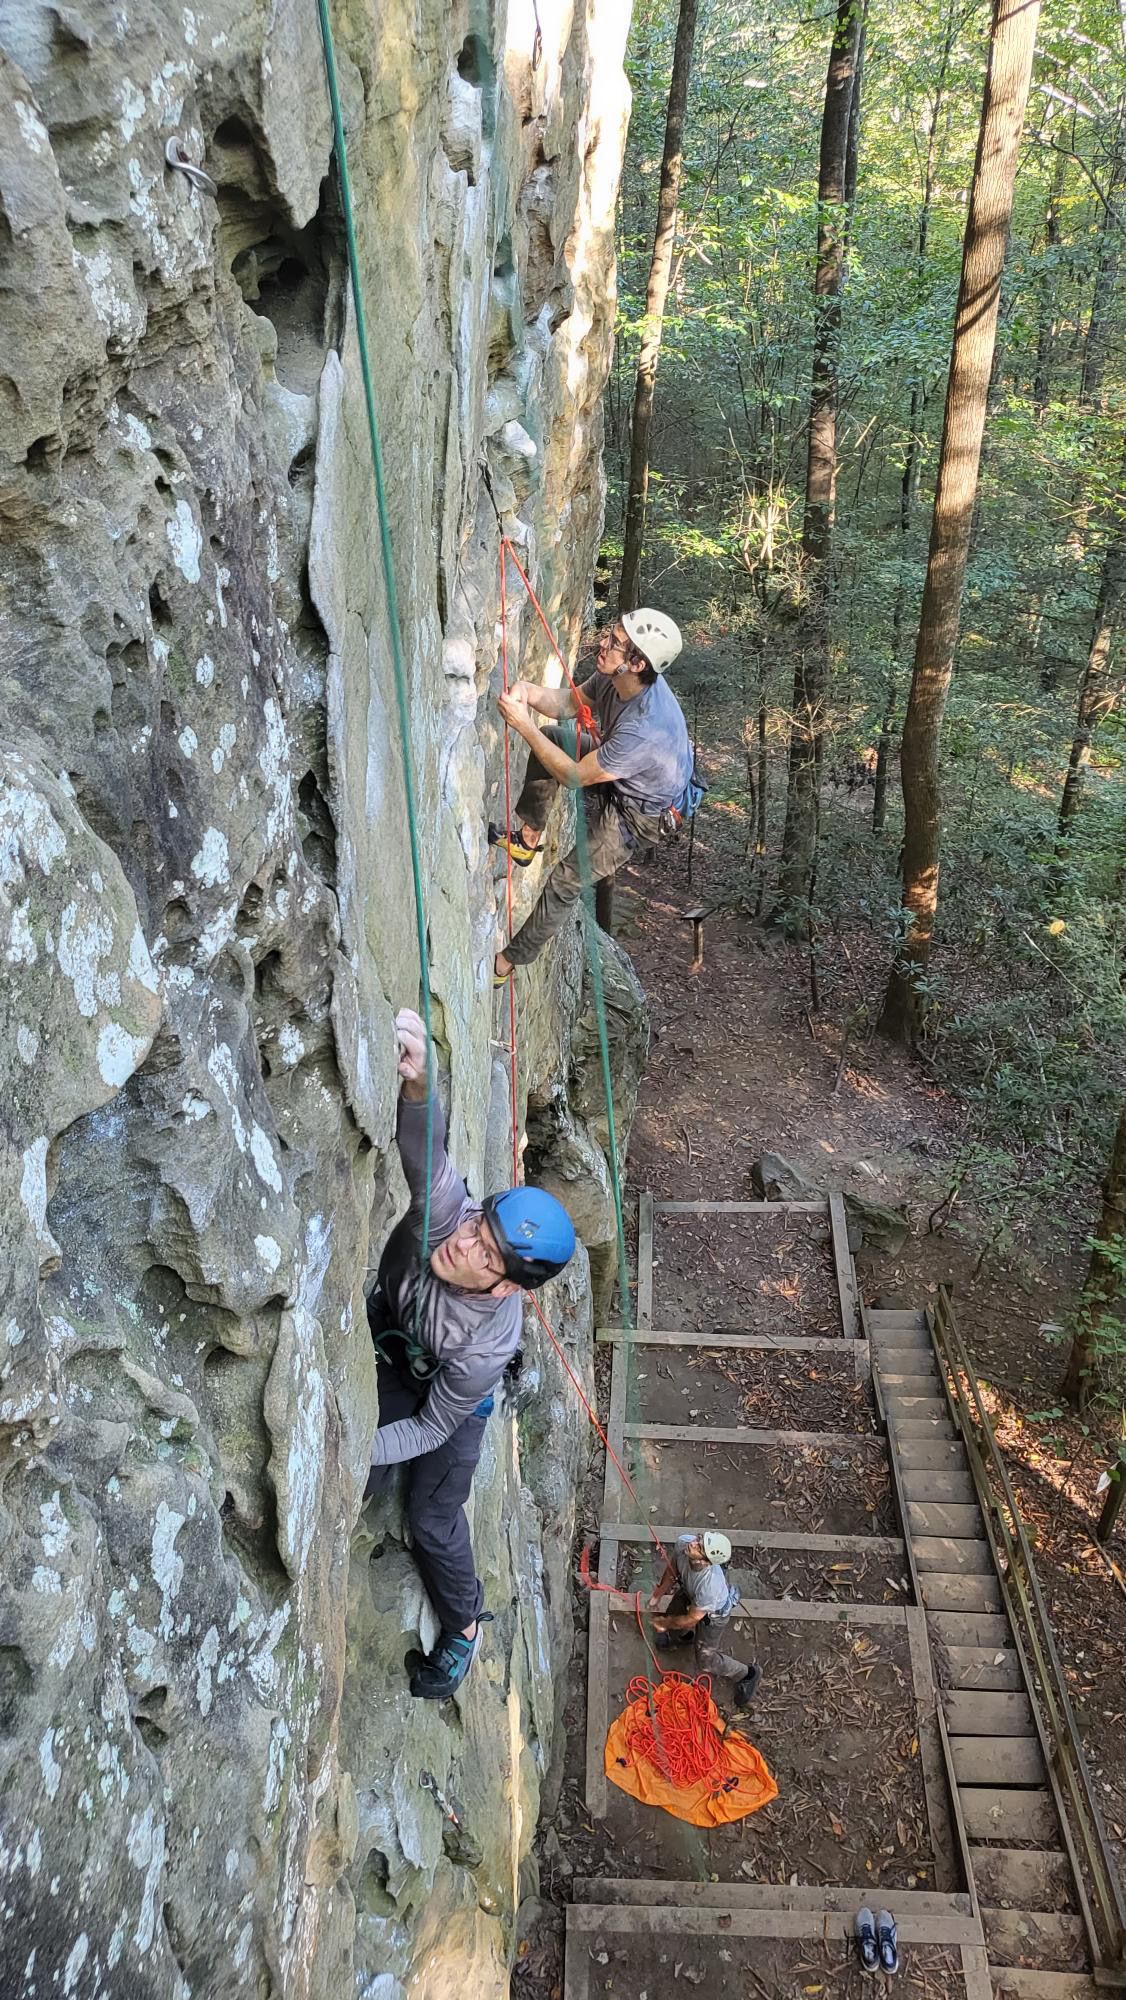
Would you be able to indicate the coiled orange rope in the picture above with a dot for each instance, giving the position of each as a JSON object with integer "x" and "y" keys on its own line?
{"x": 668, "y": 1725}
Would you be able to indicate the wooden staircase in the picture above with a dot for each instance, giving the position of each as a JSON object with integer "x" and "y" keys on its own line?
{"x": 1021, "y": 1877}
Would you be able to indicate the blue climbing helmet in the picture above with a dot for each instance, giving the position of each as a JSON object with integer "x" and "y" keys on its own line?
{"x": 534, "y": 1234}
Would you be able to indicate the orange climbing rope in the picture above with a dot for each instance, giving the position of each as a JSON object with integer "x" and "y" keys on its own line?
{"x": 583, "y": 712}
{"x": 668, "y": 1726}
{"x": 669, "y": 1747}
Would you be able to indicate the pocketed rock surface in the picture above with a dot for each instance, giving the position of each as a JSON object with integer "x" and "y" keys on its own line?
{"x": 209, "y": 1763}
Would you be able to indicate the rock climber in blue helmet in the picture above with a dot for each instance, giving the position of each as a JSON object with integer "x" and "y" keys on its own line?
{"x": 441, "y": 1358}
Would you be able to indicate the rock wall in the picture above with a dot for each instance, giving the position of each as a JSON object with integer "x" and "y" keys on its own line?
{"x": 209, "y": 1764}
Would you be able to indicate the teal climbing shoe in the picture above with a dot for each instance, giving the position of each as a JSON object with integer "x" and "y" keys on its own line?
{"x": 440, "y": 1673}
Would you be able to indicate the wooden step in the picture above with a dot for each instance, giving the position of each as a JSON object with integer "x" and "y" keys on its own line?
{"x": 969, "y": 1713}
{"x": 892, "y": 1387}
{"x": 901, "y": 1361}
{"x": 929, "y": 1454}
{"x": 1002, "y": 1760}
{"x": 1042, "y": 1937}
{"x": 983, "y": 1667}
{"x": 1022, "y": 1878}
{"x": 983, "y": 1629}
{"x": 928, "y": 1485}
{"x": 997, "y": 1812}
{"x": 1015, "y": 1983}
{"x": 884, "y": 1319}
{"x": 954, "y": 1555}
{"x": 923, "y": 1405}
{"x": 921, "y": 1427}
{"x": 942, "y": 1517}
{"x": 944, "y": 1592}
{"x": 663, "y": 1893}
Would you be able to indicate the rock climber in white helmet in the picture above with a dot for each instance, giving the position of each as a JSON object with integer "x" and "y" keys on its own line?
{"x": 700, "y": 1608}
{"x": 637, "y": 771}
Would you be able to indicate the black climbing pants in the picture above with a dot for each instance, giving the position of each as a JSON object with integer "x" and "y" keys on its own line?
{"x": 610, "y": 839}
{"x": 437, "y": 1488}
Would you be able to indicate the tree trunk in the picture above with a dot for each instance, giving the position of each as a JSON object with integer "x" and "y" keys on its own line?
{"x": 1096, "y": 347}
{"x": 883, "y": 755}
{"x": 1046, "y": 289}
{"x": 908, "y": 485}
{"x": 1097, "y": 693}
{"x": 811, "y": 677}
{"x": 1012, "y": 43}
{"x": 656, "y": 294}
{"x": 1104, "y": 1288}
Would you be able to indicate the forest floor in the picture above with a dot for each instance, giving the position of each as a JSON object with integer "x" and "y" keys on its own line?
{"x": 740, "y": 1065}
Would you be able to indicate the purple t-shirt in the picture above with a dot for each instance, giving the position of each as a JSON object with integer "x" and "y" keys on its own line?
{"x": 643, "y": 743}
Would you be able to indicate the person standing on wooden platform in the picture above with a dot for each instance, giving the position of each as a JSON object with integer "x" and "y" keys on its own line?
{"x": 700, "y": 1609}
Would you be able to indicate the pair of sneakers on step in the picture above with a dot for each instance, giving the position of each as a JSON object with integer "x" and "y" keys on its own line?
{"x": 877, "y": 1942}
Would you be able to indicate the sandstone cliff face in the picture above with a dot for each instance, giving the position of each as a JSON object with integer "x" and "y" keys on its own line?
{"x": 209, "y": 1765}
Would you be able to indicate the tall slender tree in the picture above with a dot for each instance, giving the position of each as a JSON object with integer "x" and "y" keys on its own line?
{"x": 657, "y": 291}
{"x": 909, "y": 482}
{"x": 1104, "y": 1288}
{"x": 1096, "y": 346}
{"x": 1097, "y": 691}
{"x": 1011, "y": 48}
{"x": 812, "y": 673}
{"x": 1046, "y": 286}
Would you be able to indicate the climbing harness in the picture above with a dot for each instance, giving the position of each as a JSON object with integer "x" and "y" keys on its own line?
{"x": 408, "y": 1355}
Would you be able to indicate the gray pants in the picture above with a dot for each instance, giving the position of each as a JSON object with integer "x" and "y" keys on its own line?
{"x": 710, "y": 1657}
{"x": 610, "y": 842}
{"x": 438, "y": 1486}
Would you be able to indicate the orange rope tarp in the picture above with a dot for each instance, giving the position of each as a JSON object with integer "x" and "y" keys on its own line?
{"x": 669, "y": 1748}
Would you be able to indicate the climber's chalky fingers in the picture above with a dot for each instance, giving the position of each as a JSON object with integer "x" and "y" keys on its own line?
{"x": 411, "y": 1037}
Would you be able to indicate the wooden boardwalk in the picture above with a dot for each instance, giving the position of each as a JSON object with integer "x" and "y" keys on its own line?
{"x": 1007, "y": 1907}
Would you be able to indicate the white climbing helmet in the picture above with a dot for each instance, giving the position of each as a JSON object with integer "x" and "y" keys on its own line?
{"x": 656, "y": 635}
{"x": 717, "y": 1548}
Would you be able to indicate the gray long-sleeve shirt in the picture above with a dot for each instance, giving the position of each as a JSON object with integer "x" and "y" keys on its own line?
{"x": 473, "y": 1334}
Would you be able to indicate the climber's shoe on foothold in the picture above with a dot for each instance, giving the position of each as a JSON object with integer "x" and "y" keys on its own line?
{"x": 512, "y": 844}
{"x": 440, "y": 1673}
{"x": 747, "y": 1688}
{"x": 867, "y": 1949}
{"x": 889, "y": 1942}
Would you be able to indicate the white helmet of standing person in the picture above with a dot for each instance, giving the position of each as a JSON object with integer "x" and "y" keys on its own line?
{"x": 717, "y": 1548}
{"x": 656, "y": 635}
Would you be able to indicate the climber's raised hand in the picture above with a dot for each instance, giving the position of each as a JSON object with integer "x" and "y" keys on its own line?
{"x": 410, "y": 1034}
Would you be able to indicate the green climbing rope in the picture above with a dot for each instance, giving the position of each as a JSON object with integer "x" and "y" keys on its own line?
{"x": 399, "y": 669}
{"x": 598, "y": 989}
{"x": 403, "y": 713}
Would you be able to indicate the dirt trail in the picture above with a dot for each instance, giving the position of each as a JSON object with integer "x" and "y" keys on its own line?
{"x": 739, "y": 1067}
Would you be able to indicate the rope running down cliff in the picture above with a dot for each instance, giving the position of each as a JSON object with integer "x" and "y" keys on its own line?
{"x": 388, "y": 564}
{"x": 403, "y": 719}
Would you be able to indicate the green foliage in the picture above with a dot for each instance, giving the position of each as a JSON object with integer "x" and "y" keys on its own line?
{"x": 1025, "y": 1017}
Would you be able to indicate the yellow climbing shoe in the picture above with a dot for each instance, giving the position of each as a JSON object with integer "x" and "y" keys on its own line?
{"x": 510, "y": 843}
